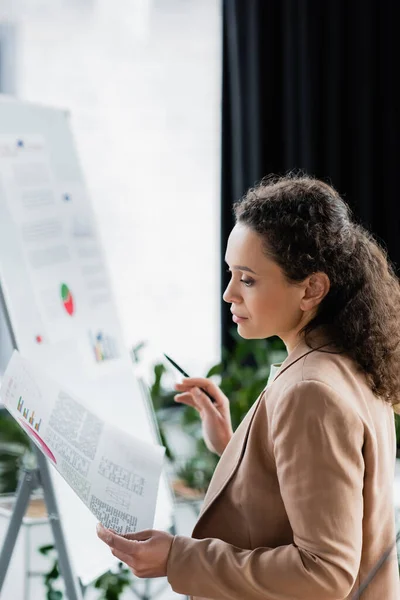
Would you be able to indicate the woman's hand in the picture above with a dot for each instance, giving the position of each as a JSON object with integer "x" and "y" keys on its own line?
{"x": 145, "y": 553}
{"x": 215, "y": 418}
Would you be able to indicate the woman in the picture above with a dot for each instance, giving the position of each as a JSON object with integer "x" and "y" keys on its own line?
{"x": 301, "y": 502}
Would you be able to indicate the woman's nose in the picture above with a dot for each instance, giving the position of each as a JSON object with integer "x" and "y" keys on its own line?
{"x": 229, "y": 294}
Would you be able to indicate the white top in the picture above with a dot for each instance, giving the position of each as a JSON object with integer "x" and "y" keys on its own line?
{"x": 274, "y": 369}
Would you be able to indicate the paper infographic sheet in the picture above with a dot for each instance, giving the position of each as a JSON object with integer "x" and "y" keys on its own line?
{"x": 113, "y": 473}
{"x": 55, "y": 229}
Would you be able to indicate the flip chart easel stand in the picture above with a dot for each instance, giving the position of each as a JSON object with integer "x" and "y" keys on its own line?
{"x": 42, "y": 182}
{"x": 36, "y": 476}
{"x": 32, "y": 478}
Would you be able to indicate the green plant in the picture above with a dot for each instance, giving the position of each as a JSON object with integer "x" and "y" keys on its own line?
{"x": 397, "y": 422}
{"x": 52, "y": 577}
{"x": 161, "y": 397}
{"x": 196, "y": 472}
{"x": 242, "y": 375}
{"x": 111, "y": 584}
{"x": 14, "y": 443}
{"x": 243, "y": 372}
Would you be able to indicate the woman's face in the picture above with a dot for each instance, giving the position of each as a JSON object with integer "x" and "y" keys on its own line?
{"x": 263, "y": 303}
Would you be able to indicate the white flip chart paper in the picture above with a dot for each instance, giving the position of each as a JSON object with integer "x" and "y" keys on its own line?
{"x": 114, "y": 474}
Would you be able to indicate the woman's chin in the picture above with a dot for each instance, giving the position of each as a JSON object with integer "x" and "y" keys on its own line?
{"x": 246, "y": 335}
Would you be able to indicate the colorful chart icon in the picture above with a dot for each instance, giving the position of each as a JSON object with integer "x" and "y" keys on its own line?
{"x": 67, "y": 299}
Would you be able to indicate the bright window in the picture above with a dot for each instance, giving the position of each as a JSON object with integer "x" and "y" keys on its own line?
{"x": 142, "y": 82}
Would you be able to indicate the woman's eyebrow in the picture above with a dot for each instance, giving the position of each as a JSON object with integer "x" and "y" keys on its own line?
{"x": 243, "y": 268}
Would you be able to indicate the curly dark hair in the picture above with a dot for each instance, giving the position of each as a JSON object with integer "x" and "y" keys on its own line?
{"x": 307, "y": 227}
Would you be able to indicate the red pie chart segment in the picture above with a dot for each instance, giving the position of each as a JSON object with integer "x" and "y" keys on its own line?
{"x": 67, "y": 299}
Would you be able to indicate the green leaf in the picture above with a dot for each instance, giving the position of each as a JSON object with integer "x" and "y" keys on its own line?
{"x": 243, "y": 373}
{"x": 190, "y": 416}
{"x": 54, "y": 573}
{"x": 168, "y": 452}
{"x": 113, "y": 584}
{"x": 135, "y": 351}
{"x": 11, "y": 431}
{"x": 215, "y": 370}
{"x": 45, "y": 550}
{"x": 14, "y": 443}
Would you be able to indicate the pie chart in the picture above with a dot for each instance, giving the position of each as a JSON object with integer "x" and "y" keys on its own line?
{"x": 67, "y": 299}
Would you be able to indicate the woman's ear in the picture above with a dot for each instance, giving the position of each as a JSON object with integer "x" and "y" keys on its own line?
{"x": 317, "y": 287}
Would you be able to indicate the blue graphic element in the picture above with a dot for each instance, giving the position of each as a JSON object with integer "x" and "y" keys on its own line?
{"x": 67, "y": 197}
{"x": 20, "y": 143}
{"x": 103, "y": 345}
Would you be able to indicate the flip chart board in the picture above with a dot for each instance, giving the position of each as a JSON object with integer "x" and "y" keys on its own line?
{"x": 58, "y": 298}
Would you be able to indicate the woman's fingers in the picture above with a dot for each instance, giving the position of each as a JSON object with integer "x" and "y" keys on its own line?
{"x": 197, "y": 399}
{"x": 189, "y": 383}
{"x": 203, "y": 402}
{"x": 140, "y": 536}
{"x": 185, "y": 398}
{"x": 201, "y": 382}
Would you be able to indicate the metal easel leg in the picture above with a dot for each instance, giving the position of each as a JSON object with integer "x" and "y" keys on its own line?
{"x": 27, "y": 484}
{"x": 72, "y": 585}
{"x": 33, "y": 478}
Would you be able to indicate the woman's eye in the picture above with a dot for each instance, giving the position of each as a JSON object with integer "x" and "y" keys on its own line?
{"x": 247, "y": 282}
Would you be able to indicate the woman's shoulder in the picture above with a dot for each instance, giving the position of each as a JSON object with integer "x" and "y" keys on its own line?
{"x": 324, "y": 384}
{"x": 325, "y": 364}
{"x": 317, "y": 374}
{"x": 330, "y": 366}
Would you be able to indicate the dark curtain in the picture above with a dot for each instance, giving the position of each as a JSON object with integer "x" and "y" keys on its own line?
{"x": 309, "y": 84}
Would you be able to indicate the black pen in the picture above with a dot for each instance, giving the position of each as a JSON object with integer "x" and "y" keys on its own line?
{"x": 186, "y": 375}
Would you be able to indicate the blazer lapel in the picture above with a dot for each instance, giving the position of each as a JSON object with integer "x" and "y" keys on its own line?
{"x": 233, "y": 453}
{"x": 230, "y": 459}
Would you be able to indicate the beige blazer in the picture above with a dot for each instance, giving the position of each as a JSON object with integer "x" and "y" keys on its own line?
{"x": 301, "y": 503}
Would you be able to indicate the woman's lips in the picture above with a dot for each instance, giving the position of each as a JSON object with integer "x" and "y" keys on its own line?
{"x": 237, "y": 319}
